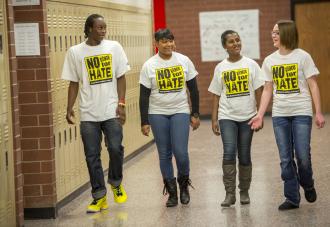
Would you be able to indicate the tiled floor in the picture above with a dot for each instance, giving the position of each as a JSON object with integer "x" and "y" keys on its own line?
{"x": 145, "y": 205}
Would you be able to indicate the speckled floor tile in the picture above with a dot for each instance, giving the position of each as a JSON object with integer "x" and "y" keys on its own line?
{"x": 146, "y": 204}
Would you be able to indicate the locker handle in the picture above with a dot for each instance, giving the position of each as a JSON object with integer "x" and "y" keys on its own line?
{"x": 6, "y": 160}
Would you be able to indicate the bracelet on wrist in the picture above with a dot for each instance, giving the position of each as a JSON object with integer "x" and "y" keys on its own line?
{"x": 121, "y": 104}
{"x": 195, "y": 115}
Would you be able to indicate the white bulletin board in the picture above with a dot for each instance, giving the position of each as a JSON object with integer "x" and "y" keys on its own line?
{"x": 27, "y": 42}
{"x": 213, "y": 24}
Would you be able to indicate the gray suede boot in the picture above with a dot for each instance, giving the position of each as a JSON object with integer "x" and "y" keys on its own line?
{"x": 229, "y": 180}
{"x": 245, "y": 176}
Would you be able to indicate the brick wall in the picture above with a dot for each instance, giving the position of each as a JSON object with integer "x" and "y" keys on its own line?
{"x": 15, "y": 117}
{"x": 182, "y": 17}
{"x": 35, "y": 116}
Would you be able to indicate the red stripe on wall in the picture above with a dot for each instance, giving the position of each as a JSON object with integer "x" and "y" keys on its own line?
{"x": 159, "y": 14}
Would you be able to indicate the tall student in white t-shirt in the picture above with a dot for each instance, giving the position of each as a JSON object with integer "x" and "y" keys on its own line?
{"x": 290, "y": 75}
{"x": 233, "y": 86}
{"x": 164, "y": 107}
{"x": 96, "y": 68}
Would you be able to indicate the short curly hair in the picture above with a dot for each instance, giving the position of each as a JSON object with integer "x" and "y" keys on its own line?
{"x": 90, "y": 22}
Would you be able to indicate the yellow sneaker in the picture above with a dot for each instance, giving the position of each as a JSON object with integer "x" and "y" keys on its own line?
{"x": 119, "y": 194}
{"x": 97, "y": 205}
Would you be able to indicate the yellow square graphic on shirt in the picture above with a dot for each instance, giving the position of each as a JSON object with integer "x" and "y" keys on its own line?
{"x": 170, "y": 79}
{"x": 285, "y": 78}
{"x": 237, "y": 82}
{"x": 99, "y": 68}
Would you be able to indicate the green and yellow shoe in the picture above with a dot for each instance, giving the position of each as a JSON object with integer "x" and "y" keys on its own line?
{"x": 119, "y": 194}
{"x": 97, "y": 205}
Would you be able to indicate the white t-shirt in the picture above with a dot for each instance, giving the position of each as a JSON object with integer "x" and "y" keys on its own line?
{"x": 235, "y": 83}
{"x": 97, "y": 69}
{"x": 167, "y": 81}
{"x": 291, "y": 95}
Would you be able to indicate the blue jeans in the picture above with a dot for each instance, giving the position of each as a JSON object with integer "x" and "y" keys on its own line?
{"x": 293, "y": 135}
{"x": 171, "y": 134}
{"x": 91, "y": 134}
{"x": 236, "y": 136}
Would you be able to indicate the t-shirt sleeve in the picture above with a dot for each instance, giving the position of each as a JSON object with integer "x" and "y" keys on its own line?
{"x": 216, "y": 86}
{"x": 266, "y": 72}
{"x": 309, "y": 67}
{"x": 69, "y": 71}
{"x": 122, "y": 65}
{"x": 144, "y": 78}
{"x": 257, "y": 79}
{"x": 192, "y": 72}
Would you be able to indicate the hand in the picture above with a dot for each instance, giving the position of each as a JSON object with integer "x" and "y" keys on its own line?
{"x": 215, "y": 128}
{"x": 70, "y": 116}
{"x": 120, "y": 112}
{"x": 319, "y": 120}
{"x": 256, "y": 123}
{"x": 194, "y": 122}
{"x": 145, "y": 129}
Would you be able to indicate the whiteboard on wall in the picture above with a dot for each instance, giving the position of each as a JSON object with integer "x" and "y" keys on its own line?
{"x": 143, "y": 4}
{"x": 213, "y": 24}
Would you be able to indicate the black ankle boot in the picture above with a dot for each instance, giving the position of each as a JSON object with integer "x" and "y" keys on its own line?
{"x": 184, "y": 182}
{"x": 310, "y": 195}
{"x": 171, "y": 189}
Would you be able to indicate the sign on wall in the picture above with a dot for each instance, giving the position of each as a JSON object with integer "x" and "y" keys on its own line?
{"x": 144, "y": 4}
{"x": 27, "y": 41}
{"x": 26, "y": 2}
{"x": 213, "y": 24}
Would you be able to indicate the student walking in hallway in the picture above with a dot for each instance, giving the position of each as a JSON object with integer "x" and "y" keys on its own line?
{"x": 233, "y": 86}
{"x": 291, "y": 73}
{"x": 164, "y": 107}
{"x": 96, "y": 68}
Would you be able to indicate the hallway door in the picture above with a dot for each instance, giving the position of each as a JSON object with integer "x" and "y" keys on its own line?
{"x": 313, "y": 23}
{"x": 7, "y": 189}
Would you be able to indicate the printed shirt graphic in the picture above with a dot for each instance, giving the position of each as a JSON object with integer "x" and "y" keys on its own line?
{"x": 167, "y": 81}
{"x": 170, "y": 79}
{"x": 237, "y": 82}
{"x": 99, "y": 68}
{"x": 289, "y": 74}
{"x": 285, "y": 78}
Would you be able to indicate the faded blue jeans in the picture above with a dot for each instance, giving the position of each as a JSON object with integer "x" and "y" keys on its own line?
{"x": 293, "y": 135}
{"x": 236, "y": 138}
{"x": 171, "y": 134}
{"x": 91, "y": 134}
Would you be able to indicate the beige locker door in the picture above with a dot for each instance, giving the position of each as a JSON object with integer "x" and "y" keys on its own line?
{"x": 313, "y": 22}
{"x": 132, "y": 28}
{"x": 7, "y": 191}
